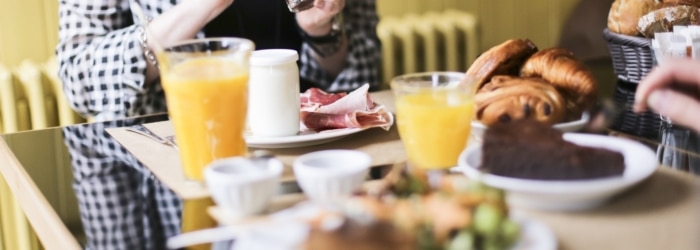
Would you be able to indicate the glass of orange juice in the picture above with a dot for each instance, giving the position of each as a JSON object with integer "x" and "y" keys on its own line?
{"x": 434, "y": 111}
{"x": 206, "y": 89}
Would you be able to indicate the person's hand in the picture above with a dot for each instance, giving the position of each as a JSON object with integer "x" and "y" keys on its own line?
{"x": 673, "y": 90}
{"x": 317, "y": 21}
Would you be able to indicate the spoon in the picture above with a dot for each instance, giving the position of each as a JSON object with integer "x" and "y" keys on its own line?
{"x": 143, "y": 130}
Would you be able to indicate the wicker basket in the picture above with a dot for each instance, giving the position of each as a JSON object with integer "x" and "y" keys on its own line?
{"x": 632, "y": 57}
{"x": 644, "y": 125}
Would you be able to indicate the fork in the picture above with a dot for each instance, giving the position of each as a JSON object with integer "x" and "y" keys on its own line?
{"x": 143, "y": 130}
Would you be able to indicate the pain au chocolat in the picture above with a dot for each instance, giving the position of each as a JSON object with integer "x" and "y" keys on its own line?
{"x": 507, "y": 98}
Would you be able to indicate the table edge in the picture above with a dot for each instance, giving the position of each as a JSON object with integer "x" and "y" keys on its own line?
{"x": 48, "y": 226}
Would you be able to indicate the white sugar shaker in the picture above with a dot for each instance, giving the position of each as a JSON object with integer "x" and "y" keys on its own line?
{"x": 273, "y": 87}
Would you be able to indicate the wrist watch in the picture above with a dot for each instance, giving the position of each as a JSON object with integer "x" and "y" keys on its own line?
{"x": 329, "y": 44}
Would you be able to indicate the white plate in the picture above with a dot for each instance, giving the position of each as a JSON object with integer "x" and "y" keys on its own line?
{"x": 305, "y": 137}
{"x": 535, "y": 235}
{"x": 640, "y": 163}
{"x": 283, "y": 231}
{"x": 479, "y": 128}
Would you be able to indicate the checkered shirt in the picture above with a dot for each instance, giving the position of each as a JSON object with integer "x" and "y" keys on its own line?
{"x": 122, "y": 205}
{"x": 102, "y": 64}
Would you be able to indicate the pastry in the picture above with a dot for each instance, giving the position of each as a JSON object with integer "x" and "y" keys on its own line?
{"x": 663, "y": 20}
{"x": 624, "y": 15}
{"x": 503, "y": 59}
{"x": 532, "y": 150}
{"x": 508, "y": 98}
{"x": 559, "y": 67}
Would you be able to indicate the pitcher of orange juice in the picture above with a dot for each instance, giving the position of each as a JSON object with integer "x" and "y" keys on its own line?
{"x": 434, "y": 111}
{"x": 206, "y": 89}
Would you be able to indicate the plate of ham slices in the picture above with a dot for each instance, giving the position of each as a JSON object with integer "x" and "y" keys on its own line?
{"x": 326, "y": 117}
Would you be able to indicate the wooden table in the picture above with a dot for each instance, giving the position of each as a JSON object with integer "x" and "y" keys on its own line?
{"x": 662, "y": 212}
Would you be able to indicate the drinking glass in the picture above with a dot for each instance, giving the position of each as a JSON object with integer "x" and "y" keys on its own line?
{"x": 434, "y": 111}
{"x": 206, "y": 89}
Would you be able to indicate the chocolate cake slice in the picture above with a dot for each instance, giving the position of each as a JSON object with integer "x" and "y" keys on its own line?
{"x": 532, "y": 150}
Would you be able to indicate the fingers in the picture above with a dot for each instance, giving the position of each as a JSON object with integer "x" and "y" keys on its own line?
{"x": 673, "y": 72}
{"x": 331, "y": 6}
{"x": 317, "y": 21}
{"x": 679, "y": 107}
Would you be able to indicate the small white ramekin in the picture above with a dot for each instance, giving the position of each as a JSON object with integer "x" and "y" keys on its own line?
{"x": 241, "y": 187}
{"x": 331, "y": 175}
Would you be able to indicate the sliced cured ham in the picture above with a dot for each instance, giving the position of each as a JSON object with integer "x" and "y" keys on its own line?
{"x": 357, "y": 100}
{"x": 322, "y": 111}
{"x": 314, "y": 98}
{"x": 377, "y": 117}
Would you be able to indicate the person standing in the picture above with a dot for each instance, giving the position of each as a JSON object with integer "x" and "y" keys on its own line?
{"x": 104, "y": 51}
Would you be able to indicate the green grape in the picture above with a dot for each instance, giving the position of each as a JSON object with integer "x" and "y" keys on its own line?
{"x": 487, "y": 219}
{"x": 464, "y": 240}
{"x": 491, "y": 243}
{"x": 510, "y": 231}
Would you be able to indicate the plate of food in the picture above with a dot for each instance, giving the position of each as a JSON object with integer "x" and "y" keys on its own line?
{"x": 543, "y": 168}
{"x": 318, "y": 228}
{"x": 519, "y": 81}
{"x": 326, "y": 117}
{"x": 458, "y": 213}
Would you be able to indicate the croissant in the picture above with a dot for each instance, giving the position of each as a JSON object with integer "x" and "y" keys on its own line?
{"x": 503, "y": 59}
{"x": 559, "y": 67}
{"x": 508, "y": 98}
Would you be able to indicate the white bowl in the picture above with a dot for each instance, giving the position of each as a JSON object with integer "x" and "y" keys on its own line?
{"x": 478, "y": 128}
{"x": 640, "y": 163}
{"x": 330, "y": 175}
{"x": 241, "y": 187}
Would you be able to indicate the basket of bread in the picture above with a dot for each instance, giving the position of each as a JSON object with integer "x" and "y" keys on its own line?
{"x": 517, "y": 81}
{"x": 632, "y": 24}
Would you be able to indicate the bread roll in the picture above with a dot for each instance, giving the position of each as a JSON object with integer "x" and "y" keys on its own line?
{"x": 667, "y": 3}
{"x": 503, "y": 59}
{"x": 663, "y": 20}
{"x": 560, "y": 68}
{"x": 624, "y": 15}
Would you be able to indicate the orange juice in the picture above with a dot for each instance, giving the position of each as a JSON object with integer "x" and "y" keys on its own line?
{"x": 434, "y": 126}
{"x": 207, "y": 102}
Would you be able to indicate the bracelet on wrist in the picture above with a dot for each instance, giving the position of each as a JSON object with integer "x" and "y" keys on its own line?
{"x": 143, "y": 41}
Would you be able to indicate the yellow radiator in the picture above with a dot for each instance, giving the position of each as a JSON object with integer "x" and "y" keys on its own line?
{"x": 30, "y": 98}
{"x": 431, "y": 41}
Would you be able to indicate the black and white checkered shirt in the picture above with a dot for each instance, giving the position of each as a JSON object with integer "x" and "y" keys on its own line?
{"x": 102, "y": 64}
{"x": 122, "y": 205}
